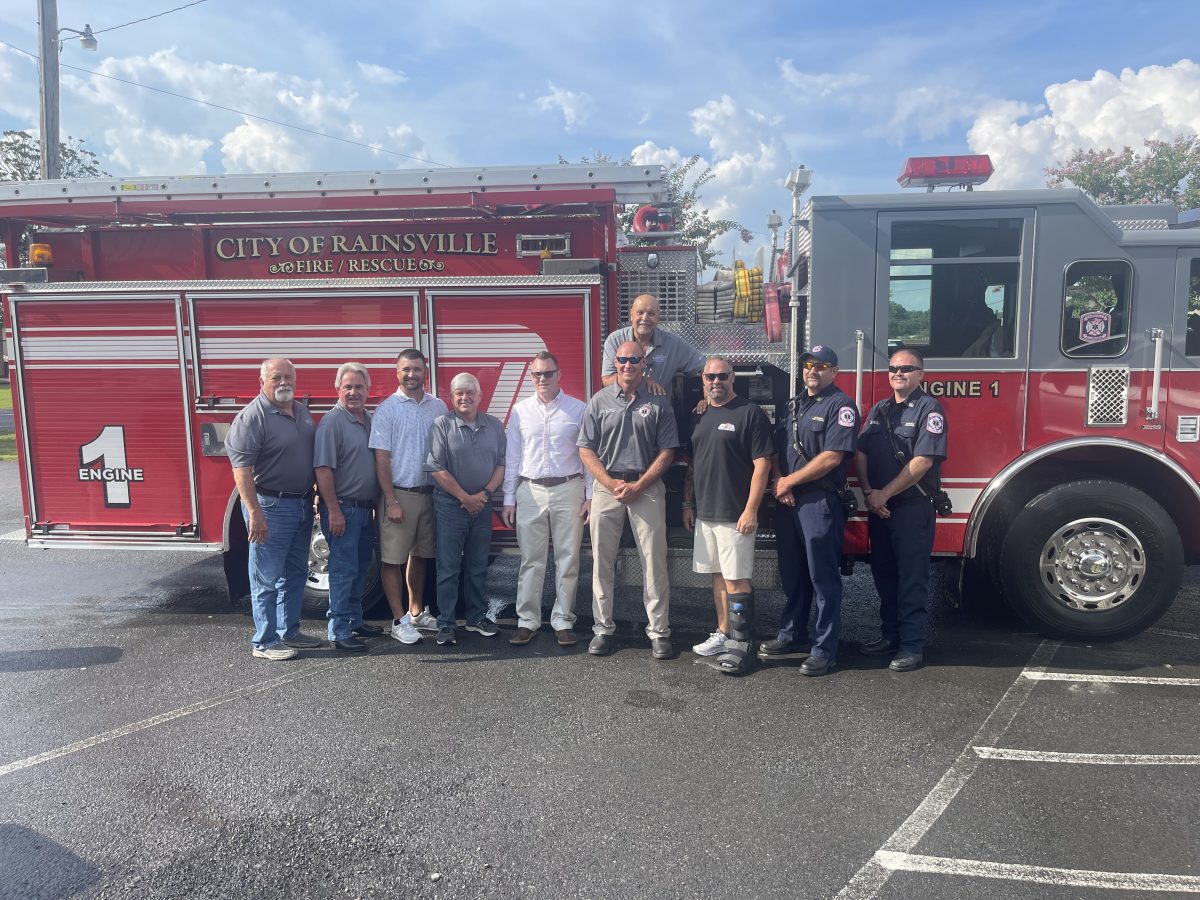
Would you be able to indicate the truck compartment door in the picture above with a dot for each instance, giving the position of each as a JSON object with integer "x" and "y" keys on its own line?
{"x": 113, "y": 462}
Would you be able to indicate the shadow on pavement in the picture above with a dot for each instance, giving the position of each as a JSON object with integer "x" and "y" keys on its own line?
{"x": 57, "y": 658}
{"x": 36, "y": 868}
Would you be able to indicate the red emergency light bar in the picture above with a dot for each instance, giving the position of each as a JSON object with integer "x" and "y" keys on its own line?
{"x": 931, "y": 171}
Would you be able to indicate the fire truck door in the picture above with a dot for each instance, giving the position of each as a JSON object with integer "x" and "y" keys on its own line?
{"x": 107, "y": 438}
{"x": 1181, "y": 405}
{"x": 493, "y": 334}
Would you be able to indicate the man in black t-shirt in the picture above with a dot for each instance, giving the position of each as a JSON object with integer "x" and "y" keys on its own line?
{"x": 726, "y": 481}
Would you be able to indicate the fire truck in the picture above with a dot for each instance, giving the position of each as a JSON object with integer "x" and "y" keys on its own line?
{"x": 1060, "y": 336}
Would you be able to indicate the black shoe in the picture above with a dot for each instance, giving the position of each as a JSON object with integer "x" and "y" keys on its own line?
{"x": 601, "y": 645}
{"x": 816, "y": 665}
{"x": 365, "y": 630}
{"x": 661, "y": 648}
{"x": 484, "y": 626}
{"x": 906, "y": 662}
{"x": 446, "y": 636}
{"x": 302, "y": 641}
{"x": 881, "y": 647}
{"x": 778, "y": 648}
{"x": 350, "y": 645}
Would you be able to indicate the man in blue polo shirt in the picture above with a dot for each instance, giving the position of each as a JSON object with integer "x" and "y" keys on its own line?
{"x": 270, "y": 446}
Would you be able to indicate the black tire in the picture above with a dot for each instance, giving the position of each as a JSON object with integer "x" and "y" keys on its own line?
{"x": 1091, "y": 561}
{"x": 316, "y": 590}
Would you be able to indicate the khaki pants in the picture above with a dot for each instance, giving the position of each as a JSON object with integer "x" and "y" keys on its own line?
{"x": 545, "y": 514}
{"x": 648, "y": 518}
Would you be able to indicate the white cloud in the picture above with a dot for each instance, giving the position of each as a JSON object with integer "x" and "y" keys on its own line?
{"x": 381, "y": 74}
{"x": 821, "y": 85}
{"x": 1106, "y": 111}
{"x": 141, "y": 150}
{"x": 574, "y": 106}
{"x": 929, "y": 112}
{"x": 649, "y": 153}
{"x": 260, "y": 147}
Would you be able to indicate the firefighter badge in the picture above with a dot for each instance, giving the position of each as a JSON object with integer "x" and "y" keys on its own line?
{"x": 1095, "y": 326}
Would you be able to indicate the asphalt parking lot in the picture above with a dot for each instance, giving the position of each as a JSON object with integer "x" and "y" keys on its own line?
{"x": 144, "y": 753}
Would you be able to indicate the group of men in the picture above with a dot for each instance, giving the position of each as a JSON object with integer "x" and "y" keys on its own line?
{"x": 424, "y": 475}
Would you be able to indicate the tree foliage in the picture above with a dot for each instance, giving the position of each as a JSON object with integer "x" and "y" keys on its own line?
{"x": 20, "y": 158}
{"x": 692, "y": 220}
{"x": 1167, "y": 172}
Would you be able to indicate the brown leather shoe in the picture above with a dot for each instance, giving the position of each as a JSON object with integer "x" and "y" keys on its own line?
{"x": 521, "y": 636}
{"x": 566, "y": 637}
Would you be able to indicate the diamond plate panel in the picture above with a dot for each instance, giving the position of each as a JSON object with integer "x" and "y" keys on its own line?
{"x": 672, "y": 280}
{"x": 1108, "y": 396}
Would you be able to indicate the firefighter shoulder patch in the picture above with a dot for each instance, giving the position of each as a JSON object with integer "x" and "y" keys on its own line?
{"x": 846, "y": 417}
{"x": 935, "y": 423}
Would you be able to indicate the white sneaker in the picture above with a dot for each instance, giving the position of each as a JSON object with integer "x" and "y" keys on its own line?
{"x": 423, "y": 622}
{"x": 711, "y": 647}
{"x": 276, "y": 653}
{"x": 405, "y": 633}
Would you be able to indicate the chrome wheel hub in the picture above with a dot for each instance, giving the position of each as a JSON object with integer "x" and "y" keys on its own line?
{"x": 318, "y": 561}
{"x": 1093, "y": 564}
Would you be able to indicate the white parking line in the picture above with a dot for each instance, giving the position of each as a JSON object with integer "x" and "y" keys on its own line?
{"x": 1093, "y": 759}
{"x": 1167, "y": 632}
{"x": 1109, "y": 679}
{"x": 868, "y": 881}
{"x": 15, "y": 535}
{"x": 160, "y": 719}
{"x": 977, "y": 868}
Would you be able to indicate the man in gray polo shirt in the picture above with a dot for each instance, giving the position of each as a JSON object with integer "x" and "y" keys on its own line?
{"x": 466, "y": 460}
{"x": 627, "y": 441}
{"x": 270, "y": 446}
{"x": 345, "y": 470}
{"x": 666, "y": 355}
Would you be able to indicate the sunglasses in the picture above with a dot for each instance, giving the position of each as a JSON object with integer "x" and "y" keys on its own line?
{"x": 716, "y": 376}
{"x": 903, "y": 370}
{"x": 817, "y": 366}
{"x": 548, "y": 373}
{"x": 629, "y": 360}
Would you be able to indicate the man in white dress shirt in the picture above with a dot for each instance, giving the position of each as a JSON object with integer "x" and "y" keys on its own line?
{"x": 547, "y": 497}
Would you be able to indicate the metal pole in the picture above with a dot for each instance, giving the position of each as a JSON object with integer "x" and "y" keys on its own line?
{"x": 48, "y": 70}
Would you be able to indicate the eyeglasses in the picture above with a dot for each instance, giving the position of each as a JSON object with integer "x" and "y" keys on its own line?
{"x": 547, "y": 374}
{"x": 716, "y": 376}
{"x": 629, "y": 360}
{"x": 904, "y": 370}
{"x": 814, "y": 366}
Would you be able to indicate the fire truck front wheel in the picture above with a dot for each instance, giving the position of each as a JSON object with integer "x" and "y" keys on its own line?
{"x": 1091, "y": 560}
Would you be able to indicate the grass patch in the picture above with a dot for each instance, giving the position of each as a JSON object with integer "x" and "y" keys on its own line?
{"x": 8, "y": 446}
{"x": 5, "y": 397}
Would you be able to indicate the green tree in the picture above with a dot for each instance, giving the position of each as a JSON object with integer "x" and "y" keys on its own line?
{"x": 692, "y": 220}
{"x": 1167, "y": 172}
{"x": 20, "y": 158}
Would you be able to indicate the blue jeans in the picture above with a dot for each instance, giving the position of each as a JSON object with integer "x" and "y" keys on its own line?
{"x": 349, "y": 559}
{"x": 463, "y": 542}
{"x": 279, "y": 568}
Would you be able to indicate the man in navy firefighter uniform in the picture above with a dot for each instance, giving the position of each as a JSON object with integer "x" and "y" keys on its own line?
{"x": 814, "y": 445}
{"x": 900, "y": 453}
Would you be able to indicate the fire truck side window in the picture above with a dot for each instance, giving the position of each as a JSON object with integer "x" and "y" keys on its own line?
{"x": 1096, "y": 304}
{"x": 953, "y": 287}
{"x": 1192, "y": 347}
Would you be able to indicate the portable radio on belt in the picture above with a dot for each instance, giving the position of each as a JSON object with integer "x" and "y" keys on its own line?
{"x": 940, "y": 499}
{"x": 845, "y": 496}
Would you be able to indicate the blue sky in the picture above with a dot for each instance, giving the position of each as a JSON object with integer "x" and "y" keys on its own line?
{"x": 849, "y": 90}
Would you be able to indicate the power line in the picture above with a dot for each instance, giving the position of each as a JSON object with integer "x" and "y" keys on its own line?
{"x": 148, "y": 18}
{"x": 239, "y": 112}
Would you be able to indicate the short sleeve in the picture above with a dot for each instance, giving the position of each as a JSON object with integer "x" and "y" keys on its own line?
{"x": 244, "y": 440}
{"x": 325, "y": 450}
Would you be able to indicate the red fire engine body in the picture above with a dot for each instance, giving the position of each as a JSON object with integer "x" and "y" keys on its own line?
{"x": 1055, "y": 332}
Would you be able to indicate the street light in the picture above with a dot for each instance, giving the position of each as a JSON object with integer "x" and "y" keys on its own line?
{"x": 49, "y": 46}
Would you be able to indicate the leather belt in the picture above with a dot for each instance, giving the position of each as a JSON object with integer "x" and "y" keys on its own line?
{"x": 283, "y": 495}
{"x": 550, "y": 482}
{"x": 360, "y": 504}
{"x": 628, "y": 477}
{"x": 423, "y": 489}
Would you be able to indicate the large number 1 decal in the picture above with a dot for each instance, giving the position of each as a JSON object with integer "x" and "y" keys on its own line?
{"x": 108, "y": 449}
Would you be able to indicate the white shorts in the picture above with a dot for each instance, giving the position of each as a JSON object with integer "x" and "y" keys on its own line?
{"x": 720, "y": 547}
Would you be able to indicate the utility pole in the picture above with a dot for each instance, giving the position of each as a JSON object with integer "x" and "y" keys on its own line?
{"x": 48, "y": 70}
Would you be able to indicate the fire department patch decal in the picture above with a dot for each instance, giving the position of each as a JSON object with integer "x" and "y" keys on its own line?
{"x": 1095, "y": 326}
{"x": 935, "y": 423}
{"x": 846, "y": 417}
{"x": 644, "y": 410}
